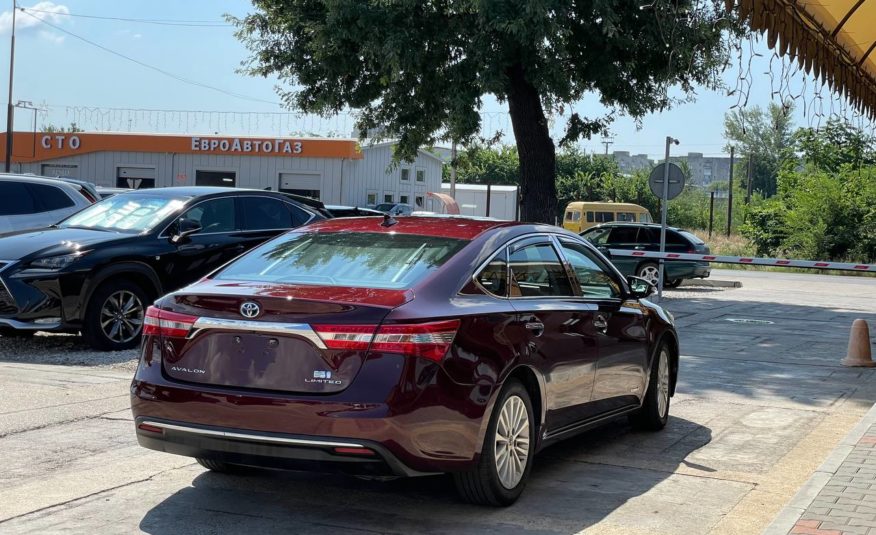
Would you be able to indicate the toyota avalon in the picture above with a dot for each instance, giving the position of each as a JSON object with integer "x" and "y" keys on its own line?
{"x": 384, "y": 347}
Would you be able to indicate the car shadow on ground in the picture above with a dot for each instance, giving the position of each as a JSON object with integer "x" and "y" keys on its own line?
{"x": 61, "y": 350}
{"x": 567, "y": 492}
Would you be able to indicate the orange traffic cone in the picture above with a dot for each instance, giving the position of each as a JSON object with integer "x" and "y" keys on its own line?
{"x": 859, "y": 354}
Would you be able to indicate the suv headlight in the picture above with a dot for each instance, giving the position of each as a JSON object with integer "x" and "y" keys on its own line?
{"x": 55, "y": 263}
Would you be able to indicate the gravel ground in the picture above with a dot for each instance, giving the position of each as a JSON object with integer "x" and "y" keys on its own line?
{"x": 64, "y": 349}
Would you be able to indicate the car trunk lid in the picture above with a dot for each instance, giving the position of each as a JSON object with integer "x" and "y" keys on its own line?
{"x": 265, "y": 336}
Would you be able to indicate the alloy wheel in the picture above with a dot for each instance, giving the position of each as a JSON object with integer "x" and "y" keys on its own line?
{"x": 511, "y": 448}
{"x": 662, "y": 383}
{"x": 650, "y": 273}
{"x": 121, "y": 316}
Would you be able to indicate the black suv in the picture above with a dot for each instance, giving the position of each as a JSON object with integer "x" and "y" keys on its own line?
{"x": 96, "y": 271}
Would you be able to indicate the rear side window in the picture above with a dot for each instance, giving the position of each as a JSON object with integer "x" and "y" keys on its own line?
{"x": 692, "y": 237}
{"x": 265, "y": 213}
{"x": 604, "y": 217}
{"x": 624, "y": 235}
{"x": 15, "y": 199}
{"x": 357, "y": 259}
{"x": 590, "y": 218}
{"x": 627, "y": 217}
{"x": 674, "y": 238}
{"x": 50, "y": 198}
{"x": 494, "y": 277}
{"x": 536, "y": 271}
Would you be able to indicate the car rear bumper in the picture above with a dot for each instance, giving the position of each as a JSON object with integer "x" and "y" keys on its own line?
{"x": 271, "y": 450}
{"x": 413, "y": 415}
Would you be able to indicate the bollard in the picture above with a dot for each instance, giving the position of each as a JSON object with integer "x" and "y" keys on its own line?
{"x": 859, "y": 354}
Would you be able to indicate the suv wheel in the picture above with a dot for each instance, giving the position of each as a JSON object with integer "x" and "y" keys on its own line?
{"x": 649, "y": 271}
{"x": 114, "y": 317}
{"x": 506, "y": 458}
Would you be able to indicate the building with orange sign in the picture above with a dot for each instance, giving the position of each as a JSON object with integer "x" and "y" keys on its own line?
{"x": 337, "y": 171}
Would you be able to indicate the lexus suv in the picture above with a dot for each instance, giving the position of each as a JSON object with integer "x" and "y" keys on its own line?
{"x": 384, "y": 347}
{"x": 96, "y": 271}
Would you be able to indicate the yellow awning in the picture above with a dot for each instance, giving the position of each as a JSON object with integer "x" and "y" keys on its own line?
{"x": 832, "y": 39}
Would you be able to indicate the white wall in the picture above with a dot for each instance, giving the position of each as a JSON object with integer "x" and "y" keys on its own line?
{"x": 343, "y": 181}
{"x": 472, "y": 200}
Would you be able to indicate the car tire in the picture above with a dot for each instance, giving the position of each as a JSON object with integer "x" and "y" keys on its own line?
{"x": 9, "y": 332}
{"x": 500, "y": 483}
{"x": 649, "y": 271}
{"x": 675, "y": 283}
{"x": 654, "y": 413}
{"x": 219, "y": 466}
{"x": 114, "y": 316}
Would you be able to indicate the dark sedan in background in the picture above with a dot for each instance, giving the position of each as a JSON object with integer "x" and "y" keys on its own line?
{"x": 646, "y": 237}
{"x": 96, "y": 271}
{"x": 386, "y": 347}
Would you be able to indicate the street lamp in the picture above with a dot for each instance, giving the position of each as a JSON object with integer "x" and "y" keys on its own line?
{"x": 10, "y": 109}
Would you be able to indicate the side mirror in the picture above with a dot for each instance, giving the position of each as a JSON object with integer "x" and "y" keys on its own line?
{"x": 640, "y": 288}
{"x": 184, "y": 229}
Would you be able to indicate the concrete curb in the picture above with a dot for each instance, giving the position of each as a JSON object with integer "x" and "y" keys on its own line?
{"x": 792, "y": 512}
{"x": 710, "y": 283}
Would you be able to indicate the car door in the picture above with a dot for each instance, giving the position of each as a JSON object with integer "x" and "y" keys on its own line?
{"x": 561, "y": 341}
{"x": 263, "y": 217}
{"x": 620, "y": 330}
{"x": 624, "y": 237}
{"x": 200, "y": 253}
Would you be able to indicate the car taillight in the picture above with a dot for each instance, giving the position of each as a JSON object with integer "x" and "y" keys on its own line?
{"x": 165, "y": 323}
{"x": 427, "y": 340}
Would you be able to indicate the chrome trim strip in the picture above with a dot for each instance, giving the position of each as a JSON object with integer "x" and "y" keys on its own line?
{"x": 295, "y": 329}
{"x": 254, "y": 438}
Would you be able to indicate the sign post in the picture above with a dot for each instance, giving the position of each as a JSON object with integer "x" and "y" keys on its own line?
{"x": 666, "y": 181}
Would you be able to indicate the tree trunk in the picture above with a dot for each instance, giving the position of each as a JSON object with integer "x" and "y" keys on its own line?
{"x": 538, "y": 159}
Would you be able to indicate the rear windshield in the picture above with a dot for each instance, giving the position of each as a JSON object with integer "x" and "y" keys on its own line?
{"x": 358, "y": 259}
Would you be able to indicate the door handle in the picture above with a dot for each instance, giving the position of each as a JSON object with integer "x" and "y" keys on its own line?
{"x": 536, "y": 327}
{"x": 600, "y": 323}
{"x": 639, "y": 247}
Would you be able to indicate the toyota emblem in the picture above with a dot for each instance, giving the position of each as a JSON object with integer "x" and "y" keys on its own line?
{"x": 250, "y": 309}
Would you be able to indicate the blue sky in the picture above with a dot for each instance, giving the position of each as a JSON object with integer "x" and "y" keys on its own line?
{"x": 70, "y": 77}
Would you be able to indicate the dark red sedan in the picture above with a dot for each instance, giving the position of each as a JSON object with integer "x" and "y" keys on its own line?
{"x": 385, "y": 347}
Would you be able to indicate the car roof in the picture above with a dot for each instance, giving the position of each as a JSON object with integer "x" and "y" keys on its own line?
{"x": 587, "y": 204}
{"x": 439, "y": 227}
{"x": 632, "y": 224}
{"x": 34, "y": 179}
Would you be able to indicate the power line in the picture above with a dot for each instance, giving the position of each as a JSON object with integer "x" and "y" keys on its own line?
{"x": 148, "y": 66}
{"x": 160, "y": 22}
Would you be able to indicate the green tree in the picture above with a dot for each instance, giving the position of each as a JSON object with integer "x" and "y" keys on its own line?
{"x": 836, "y": 145}
{"x": 480, "y": 164}
{"x": 766, "y": 138}
{"x": 422, "y": 69}
{"x": 52, "y": 129}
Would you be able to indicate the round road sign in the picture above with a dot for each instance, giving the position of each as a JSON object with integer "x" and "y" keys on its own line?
{"x": 676, "y": 181}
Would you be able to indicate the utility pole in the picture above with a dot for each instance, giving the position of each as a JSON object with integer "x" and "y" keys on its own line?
{"x": 607, "y": 142}
{"x": 749, "y": 185}
{"x": 10, "y": 109}
{"x": 730, "y": 193}
{"x": 453, "y": 170}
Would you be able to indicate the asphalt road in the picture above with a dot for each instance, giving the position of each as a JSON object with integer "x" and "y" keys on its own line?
{"x": 760, "y": 405}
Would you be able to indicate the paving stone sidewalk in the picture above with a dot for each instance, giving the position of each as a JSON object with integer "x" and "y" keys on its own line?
{"x": 841, "y": 495}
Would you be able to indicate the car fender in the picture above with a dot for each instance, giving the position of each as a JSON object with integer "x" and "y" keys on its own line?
{"x": 494, "y": 396}
{"x": 120, "y": 268}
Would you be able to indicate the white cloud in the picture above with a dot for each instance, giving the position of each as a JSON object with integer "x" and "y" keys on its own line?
{"x": 56, "y": 38}
{"x": 47, "y": 11}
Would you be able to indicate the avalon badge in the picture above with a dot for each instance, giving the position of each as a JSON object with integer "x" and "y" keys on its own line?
{"x": 250, "y": 309}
